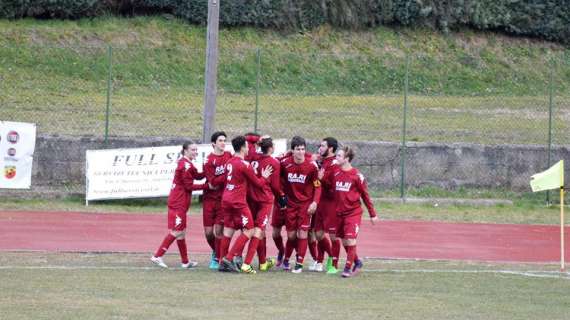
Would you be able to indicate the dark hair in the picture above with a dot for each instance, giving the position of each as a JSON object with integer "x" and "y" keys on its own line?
{"x": 348, "y": 153}
{"x": 331, "y": 143}
{"x": 218, "y": 134}
{"x": 297, "y": 141}
{"x": 238, "y": 143}
{"x": 265, "y": 144}
{"x": 185, "y": 146}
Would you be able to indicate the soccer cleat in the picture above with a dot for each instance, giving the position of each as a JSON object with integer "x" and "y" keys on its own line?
{"x": 227, "y": 266}
{"x": 329, "y": 263}
{"x": 238, "y": 261}
{"x": 298, "y": 268}
{"x": 189, "y": 265}
{"x": 313, "y": 265}
{"x": 158, "y": 261}
{"x": 332, "y": 270}
{"x": 346, "y": 273}
{"x": 269, "y": 263}
{"x": 357, "y": 267}
{"x": 246, "y": 268}
{"x": 285, "y": 265}
{"x": 319, "y": 267}
{"x": 214, "y": 264}
{"x": 279, "y": 260}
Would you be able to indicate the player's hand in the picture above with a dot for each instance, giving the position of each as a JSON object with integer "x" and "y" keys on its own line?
{"x": 374, "y": 220}
{"x": 314, "y": 157}
{"x": 212, "y": 187}
{"x": 312, "y": 208}
{"x": 266, "y": 172}
{"x": 282, "y": 200}
{"x": 321, "y": 173}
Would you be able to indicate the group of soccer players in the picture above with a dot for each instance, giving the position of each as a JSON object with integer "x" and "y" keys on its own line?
{"x": 316, "y": 197}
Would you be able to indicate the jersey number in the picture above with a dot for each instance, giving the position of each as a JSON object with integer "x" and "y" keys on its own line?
{"x": 229, "y": 167}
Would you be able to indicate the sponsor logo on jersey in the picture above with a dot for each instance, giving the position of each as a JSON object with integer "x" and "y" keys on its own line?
{"x": 9, "y": 172}
{"x": 343, "y": 186}
{"x": 230, "y": 187}
{"x": 219, "y": 170}
{"x": 13, "y": 137}
{"x": 296, "y": 178}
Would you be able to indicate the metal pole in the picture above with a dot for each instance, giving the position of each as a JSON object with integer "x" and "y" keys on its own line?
{"x": 550, "y": 109}
{"x": 403, "y": 147}
{"x": 109, "y": 89}
{"x": 211, "y": 69}
{"x": 257, "y": 90}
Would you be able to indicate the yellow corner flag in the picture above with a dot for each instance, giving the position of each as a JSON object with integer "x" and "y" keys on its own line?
{"x": 552, "y": 178}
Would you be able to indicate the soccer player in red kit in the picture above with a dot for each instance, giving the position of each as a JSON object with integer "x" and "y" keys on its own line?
{"x": 324, "y": 221}
{"x": 214, "y": 169}
{"x": 178, "y": 204}
{"x": 350, "y": 187}
{"x": 239, "y": 174}
{"x": 303, "y": 190}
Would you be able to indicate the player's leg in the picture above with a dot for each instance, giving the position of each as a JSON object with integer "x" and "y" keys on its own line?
{"x": 303, "y": 225}
{"x": 291, "y": 228}
{"x": 277, "y": 222}
{"x": 175, "y": 220}
{"x": 351, "y": 228}
{"x": 336, "y": 241}
{"x": 244, "y": 219}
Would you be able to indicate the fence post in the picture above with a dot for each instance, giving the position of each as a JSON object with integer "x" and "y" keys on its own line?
{"x": 109, "y": 89}
{"x": 403, "y": 147}
{"x": 550, "y": 107}
{"x": 258, "y": 56}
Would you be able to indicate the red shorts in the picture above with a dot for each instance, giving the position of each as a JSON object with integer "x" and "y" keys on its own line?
{"x": 318, "y": 221}
{"x": 212, "y": 213}
{"x": 347, "y": 226}
{"x": 277, "y": 217}
{"x": 261, "y": 212}
{"x": 237, "y": 217}
{"x": 327, "y": 208}
{"x": 176, "y": 220}
{"x": 297, "y": 217}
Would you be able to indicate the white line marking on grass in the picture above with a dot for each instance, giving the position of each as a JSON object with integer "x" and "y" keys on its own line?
{"x": 533, "y": 274}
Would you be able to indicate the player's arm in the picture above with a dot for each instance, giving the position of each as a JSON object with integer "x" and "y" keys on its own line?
{"x": 188, "y": 180}
{"x": 363, "y": 189}
{"x": 197, "y": 175}
{"x": 253, "y": 179}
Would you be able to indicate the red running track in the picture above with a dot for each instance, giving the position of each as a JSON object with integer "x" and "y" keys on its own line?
{"x": 81, "y": 232}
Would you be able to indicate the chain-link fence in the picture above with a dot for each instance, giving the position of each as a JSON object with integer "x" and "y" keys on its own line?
{"x": 415, "y": 120}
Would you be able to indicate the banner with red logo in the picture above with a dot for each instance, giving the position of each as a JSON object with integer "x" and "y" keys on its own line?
{"x": 17, "y": 144}
{"x": 140, "y": 172}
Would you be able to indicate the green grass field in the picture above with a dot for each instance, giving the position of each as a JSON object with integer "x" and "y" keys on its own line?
{"x": 125, "y": 286}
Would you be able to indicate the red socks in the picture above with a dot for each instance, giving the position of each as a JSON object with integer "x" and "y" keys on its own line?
{"x": 350, "y": 256}
{"x": 289, "y": 247}
{"x": 251, "y": 249}
{"x": 237, "y": 248}
{"x": 324, "y": 247}
{"x": 211, "y": 242}
{"x": 301, "y": 249}
{"x": 168, "y": 240}
{"x": 183, "y": 250}
{"x": 218, "y": 248}
{"x": 335, "y": 250}
{"x": 224, "y": 246}
{"x": 279, "y": 244}
{"x": 262, "y": 251}
{"x": 313, "y": 250}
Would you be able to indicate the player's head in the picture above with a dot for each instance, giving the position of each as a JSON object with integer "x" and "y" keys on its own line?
{"x": 189, "y": 150}
{"x": 239, "y": 144}
{"x": 219, "y": 140}
{"x": 298, "y": 146}
{"x": 344, "y": 155}
{"x": 328, "y": 147}
{"x": 266, "y": 145}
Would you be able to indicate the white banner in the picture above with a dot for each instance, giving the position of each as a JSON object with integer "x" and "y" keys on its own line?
{"x": 17, "y": 144}
{"x": 140, "y": 173}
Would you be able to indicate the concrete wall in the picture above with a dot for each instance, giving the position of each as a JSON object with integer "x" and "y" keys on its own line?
{"x": 59, "y": 164}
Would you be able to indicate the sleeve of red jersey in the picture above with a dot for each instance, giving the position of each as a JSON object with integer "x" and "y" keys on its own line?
{"x": 188, "y": 180}
{"x": 198, "y": 175}
{"x": 316, "y": 184}
{"x": 363, "y": 186}
{"x": 252, "y": 178}
{"x": 275, "y": 179}
{"x": 210, "y": 172}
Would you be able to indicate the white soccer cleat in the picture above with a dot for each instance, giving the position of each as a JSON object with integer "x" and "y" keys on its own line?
{"x": 313, "y": 265}
{"x": 319, "y": 267}
{"x": 189, "y": 265}
{"x": 158, "y": 261}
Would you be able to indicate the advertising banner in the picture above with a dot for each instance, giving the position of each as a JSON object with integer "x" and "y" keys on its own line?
{"x": 17, "y": 144}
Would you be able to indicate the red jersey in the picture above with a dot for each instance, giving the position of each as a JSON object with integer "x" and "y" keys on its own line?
{"x": 300, "y": 181}
{"x": 330, "y": 166}
{"x": 239, "y": 174}
{"x": 271, "y": 190}
{"x": 183, "y": 185}
{"x": 350, "y": 186}
{"x": 214, "y": 169}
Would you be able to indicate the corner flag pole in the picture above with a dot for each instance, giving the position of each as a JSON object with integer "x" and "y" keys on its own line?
{"x": 562, "y": 267}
